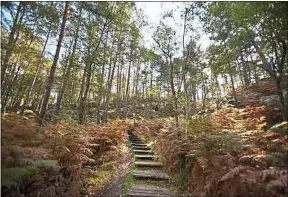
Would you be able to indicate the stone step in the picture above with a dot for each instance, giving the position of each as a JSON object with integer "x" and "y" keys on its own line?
{"x": 149, "y": 191}
{"x": 138, "y": 144}
{"x": 150, "y": 175}
{"x": 142, "y": 147}
{"x": 133, "y": 137}
{"x": 148, "y": 164}
{"x": 135, "y": 140}
{"x": 142, "y": 152}
{"x": 147, "y": 157}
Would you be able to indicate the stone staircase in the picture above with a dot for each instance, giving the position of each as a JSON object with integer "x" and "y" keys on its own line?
{"x": 145, "y": 158}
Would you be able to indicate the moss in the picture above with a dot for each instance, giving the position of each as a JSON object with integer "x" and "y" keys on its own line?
{"x": 29, "y": 114}
{"x": 12, "y": 176}
{"x": 46, "y": 163}
{"x": 100, "y": 178}
{"x": 129, "y": 180}
{"x": 25, "y": 168}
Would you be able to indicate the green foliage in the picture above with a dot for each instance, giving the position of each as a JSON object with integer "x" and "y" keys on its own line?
{"x": 46, "y": 163}
{"x": 29, "y": 114}
{"x": 200, "y": 124}
{"x": 12, "y": 176}
{"x": 103, "y": 175}
{"x": 24, "y": 169}
{"x": 128, "y": 181}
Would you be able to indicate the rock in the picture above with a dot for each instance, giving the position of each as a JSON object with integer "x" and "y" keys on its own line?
{"x": 280, "y": 125}
{"x": 60, "y": 190}
{"x": 247, "y": 91}
{"x": 272, "y": 100}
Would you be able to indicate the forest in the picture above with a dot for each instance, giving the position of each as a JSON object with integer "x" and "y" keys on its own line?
{"x": 107, "y": 99}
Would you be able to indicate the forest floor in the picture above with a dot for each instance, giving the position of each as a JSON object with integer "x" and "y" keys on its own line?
{"x": 116, "y": 186}
{"x": 34, "y": 162}
{"x": 243, "y": 149}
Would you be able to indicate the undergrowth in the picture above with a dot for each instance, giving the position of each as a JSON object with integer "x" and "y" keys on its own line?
{"x": 229, "y": 156}
{"x": 83, "y": 158}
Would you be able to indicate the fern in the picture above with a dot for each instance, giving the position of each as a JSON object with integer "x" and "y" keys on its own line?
{"x": 203, "y": 162}
{"x": 272, "y": 174}
{"x": 232, "y": 173}
{"x": 12, "y": 176}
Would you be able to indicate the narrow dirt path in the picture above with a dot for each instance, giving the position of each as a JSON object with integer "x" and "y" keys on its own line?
{"x": 115, "y": 187}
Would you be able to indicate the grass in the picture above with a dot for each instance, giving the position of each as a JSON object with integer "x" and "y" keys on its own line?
{"x": 128, "y": 182}
{"x": 129, "y": 179}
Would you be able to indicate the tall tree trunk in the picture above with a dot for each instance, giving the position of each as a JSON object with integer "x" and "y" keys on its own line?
{"x": 203, "y": 95}
{"x": 83, "y": 103}
{"x": 118, "y": 88}
{"x": 127, "y": 86}
{"x": 255, "y": 75}
{"x": 283, "y": 102}
{"x": 151, "y": 96}
{"x": 245, "y": 70}
{"x": 106, "y": 105}
{"x": 9, "y": 83}
{"x": 11, "y": 41}
{"x": 68, "y": 70}
{"x": 173, "y": 91}
{"x": 80, "y": 98}
{"x": 83, "y": 99}
{"x": 218, "y": 94}
{"x": 194, "y": 96}
{"x": 101, "y": 94}
{"x": 135, "y": 89}
{"x": 53, "y": 67}
{"x": 35, "y": 76}
{"x": 277, "y": 78}
{"x": 233, "y": 90}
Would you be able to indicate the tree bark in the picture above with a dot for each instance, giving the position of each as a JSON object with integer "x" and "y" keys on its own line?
{"x": 233, "y": 90}
{"x": 83, "y": 103}
{"x": 68, "y": 71}
{"x": 35, "y": 77}
{"x": 118, "y": 98}
{"x": 11, "y": 42}
{"x": 277, "y": 78}
{"x": 127, "y": 86}
{"x": 106, "y": 105}
{"x": 80, "y": 99}
{"x": 174, "y": 91}
{"x": 54, "y": 65}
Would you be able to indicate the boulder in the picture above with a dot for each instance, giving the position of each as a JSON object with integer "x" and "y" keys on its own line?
{"x": 272, "y": 100}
